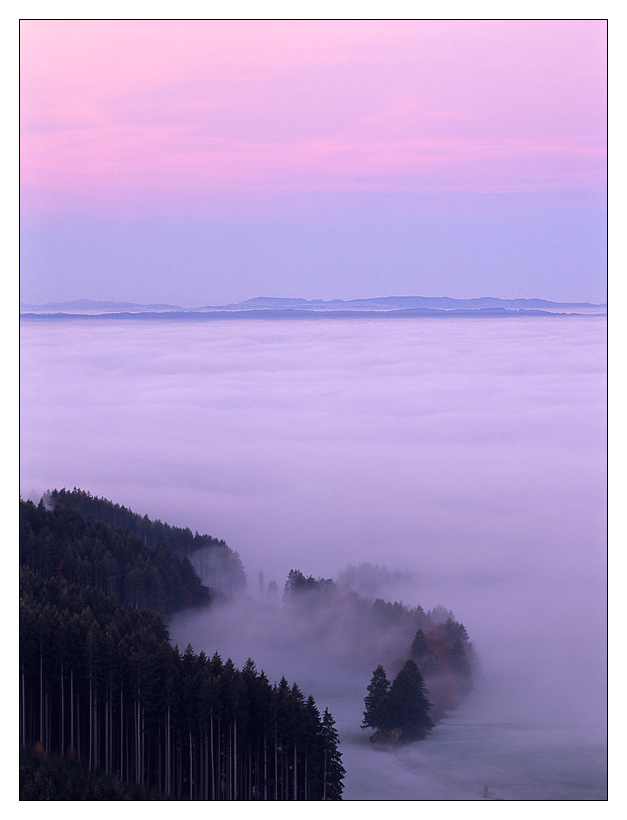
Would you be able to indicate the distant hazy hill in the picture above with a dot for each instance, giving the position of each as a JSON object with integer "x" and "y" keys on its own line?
{"x": 274, "y": 307}
{"x": 401, "y": 303}
{"x": 82, "y": 305}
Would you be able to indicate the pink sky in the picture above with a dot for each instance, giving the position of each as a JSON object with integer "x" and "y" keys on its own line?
{"x": 169, "y": 114}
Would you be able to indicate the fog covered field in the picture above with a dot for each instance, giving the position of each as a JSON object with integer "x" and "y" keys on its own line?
{"x": 468, "y": 452}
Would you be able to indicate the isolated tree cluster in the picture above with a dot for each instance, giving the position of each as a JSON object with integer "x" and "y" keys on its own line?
{"x": 398, "y": 710}
{"x": 437, "y": 643}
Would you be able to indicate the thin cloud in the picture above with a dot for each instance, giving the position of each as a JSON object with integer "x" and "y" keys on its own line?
{"x": 158, "y": 111}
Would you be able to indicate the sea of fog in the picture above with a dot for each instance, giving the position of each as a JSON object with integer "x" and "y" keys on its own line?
{"x": 470, "y": 453}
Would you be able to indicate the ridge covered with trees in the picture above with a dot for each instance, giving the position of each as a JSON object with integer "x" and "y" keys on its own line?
{"x": 109, "y": 709}
{"x": 60, "y": 543}
{"x": 217, "y": 565}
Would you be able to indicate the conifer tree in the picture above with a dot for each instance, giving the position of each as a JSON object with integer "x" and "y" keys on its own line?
{"x": 418, "y": 646}
{"x": 408, "y": 703}
{"x": 376, "y": 702}
{"x": 333, "y": 770}
{"x": 461, "y": 667}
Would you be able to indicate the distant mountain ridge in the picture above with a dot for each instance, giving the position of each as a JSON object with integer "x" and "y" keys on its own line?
{"x": 270, "y": 305}
{"x": 398, "y": 303}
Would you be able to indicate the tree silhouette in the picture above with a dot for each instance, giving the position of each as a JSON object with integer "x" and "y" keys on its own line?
{"x": 408, "y": 703}
{"x": 376, "y": 702}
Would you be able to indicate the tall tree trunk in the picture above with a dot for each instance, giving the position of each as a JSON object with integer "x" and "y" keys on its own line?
{"x": 78, "y": 727}
{"x": 137, "y": 748}
{"x": 235, "y": 758}
{"x": 91, "y": 717}
{"x": 191, "y": 768}
{"x": 107, "y": 705}
{"x": 121, "y": 733}
{"x": 72, "y": 708}
{"x": 41, "y": 694}
{"x": 62, "y": 715}
{"x": 23, "y": 711}
{"x": 265, "y": 766}
{"x": 213, "y": 775}
{"x": 204, "y": 768}
{"x": 276, "y": 766}
{"x": 168, "y": 755}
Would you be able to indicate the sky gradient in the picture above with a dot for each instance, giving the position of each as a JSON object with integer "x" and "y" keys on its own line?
{"x": 205, "y": 162}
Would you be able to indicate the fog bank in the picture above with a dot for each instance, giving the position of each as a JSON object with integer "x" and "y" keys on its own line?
{"x": 469, "y": 452}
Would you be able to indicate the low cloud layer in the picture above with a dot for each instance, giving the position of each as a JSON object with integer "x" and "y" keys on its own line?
{"x": 469, "y": 452}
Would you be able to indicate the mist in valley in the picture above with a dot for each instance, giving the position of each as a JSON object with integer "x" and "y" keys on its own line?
{"x": 463, "y": 458}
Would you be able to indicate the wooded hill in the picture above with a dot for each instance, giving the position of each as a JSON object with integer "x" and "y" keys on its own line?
{"x": 61, "y": 543}
{"x": 101, "y": 683}
{"x": 104, "y": 694}
{"x": 218, "y": 566}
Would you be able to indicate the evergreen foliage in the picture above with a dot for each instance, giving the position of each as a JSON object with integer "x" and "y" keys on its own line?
{"x": 408, "y": 703}
{"x": 60, "y": 543}
{"x": 418, "y": 646}
{"x": 102, "y": 684}
{"x": 109, "y": 710}
{"x": 53, "y": 777}
{"x": 333, "y": 770}
{"x": 377, "y": 702}
{"x": 217, "y": 565}
{"x": 399, "y": 711}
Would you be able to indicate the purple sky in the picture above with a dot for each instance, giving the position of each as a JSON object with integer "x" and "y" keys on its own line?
{"x": 203, "y": 162}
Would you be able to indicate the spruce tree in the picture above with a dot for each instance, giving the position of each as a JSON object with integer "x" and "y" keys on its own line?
{"x": 376, "y": 702}
{"x": 333, "y": 770}
{"x": 418, "y": 646}
{"x": 408, "y": 703}
{"x": 461, "y": 668}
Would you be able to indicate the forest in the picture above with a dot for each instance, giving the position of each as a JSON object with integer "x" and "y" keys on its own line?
{"x": 109, "y": 706}
{"x": 101, "y": 684}
{"x": 217, "y": 566}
